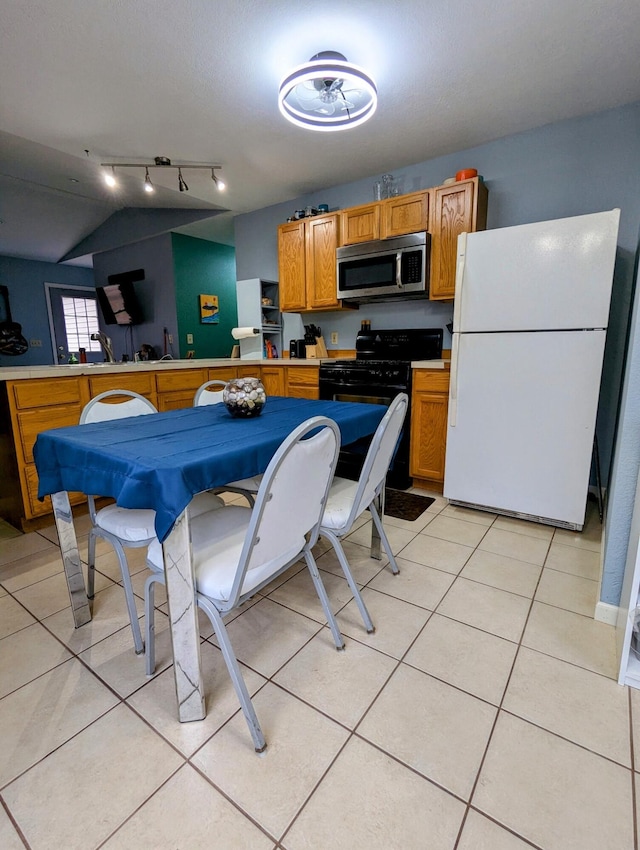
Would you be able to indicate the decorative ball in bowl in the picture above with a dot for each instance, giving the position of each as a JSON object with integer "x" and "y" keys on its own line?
{"x": 244, "y": 397}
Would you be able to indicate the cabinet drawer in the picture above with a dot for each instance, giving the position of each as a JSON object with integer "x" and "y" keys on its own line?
{"x": 224, "y": 373}
{"x": 142, "y": 383}
{"x": 431, "y": 381}
{"x": 36, "y": 507}
{"x": 249, "y": 372}
{"x": 43, "y": 393}
{"x": 31, "y": 422}
{"x": 176, "y": 401}
{"x": 181, "y": 379}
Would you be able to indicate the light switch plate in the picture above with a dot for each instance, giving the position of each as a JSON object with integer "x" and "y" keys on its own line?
{"x": 189, "y": 339}
{"x": 334, "y": 337}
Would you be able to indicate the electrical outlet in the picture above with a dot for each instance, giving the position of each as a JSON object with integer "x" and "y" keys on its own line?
{"x": 334, "y": 337}
{"x": 35, "y": 343}
{"x": 189, "y": 339}
{"x": 170, "y": 339}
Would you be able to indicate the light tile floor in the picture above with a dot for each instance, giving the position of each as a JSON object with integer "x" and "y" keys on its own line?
{"x": 483, "y": 714}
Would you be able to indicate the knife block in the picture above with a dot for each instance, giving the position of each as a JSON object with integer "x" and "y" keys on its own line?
{"x": 318, "y": 350}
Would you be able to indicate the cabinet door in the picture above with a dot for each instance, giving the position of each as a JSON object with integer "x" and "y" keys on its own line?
{"x": 322, "y": 241}
{"x": 273, "y": 379}
{"x": 455, "y": 209}
{"x": 405, "y": 214}
{"x": 302, "y": 382}
{"x": 428, "y": 435}
{"x": 360, "y": 224}
{"x": 291, "y": 265}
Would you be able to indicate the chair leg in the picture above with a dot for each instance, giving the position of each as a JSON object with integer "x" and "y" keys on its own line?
{"x": 150, "y": 629}
{"x": 385, "y": 540}
{"x": 234, "y": 672}
{"x": 342, "y": 558}
{"x": 128, "y": 593}
{"x": 322, "y": 593}
{"x": 91, "y": 565}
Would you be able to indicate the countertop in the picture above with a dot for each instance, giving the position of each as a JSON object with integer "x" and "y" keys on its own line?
{"x": 15, "y": 373}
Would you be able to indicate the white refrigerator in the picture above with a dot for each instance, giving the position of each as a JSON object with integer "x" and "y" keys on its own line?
{"x": 529, "y": 326}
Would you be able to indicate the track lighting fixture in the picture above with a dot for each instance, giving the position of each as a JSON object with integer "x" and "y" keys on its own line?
{"x": 162, "y": 162}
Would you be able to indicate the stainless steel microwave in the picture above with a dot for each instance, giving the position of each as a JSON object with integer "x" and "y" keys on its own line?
{"x": 387, "y": 269}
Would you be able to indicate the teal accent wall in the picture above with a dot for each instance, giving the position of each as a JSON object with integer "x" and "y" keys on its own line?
{"x": 207, "y": 268}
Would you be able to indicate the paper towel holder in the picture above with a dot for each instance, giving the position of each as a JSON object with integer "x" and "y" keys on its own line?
{"x": 244, "y": 333}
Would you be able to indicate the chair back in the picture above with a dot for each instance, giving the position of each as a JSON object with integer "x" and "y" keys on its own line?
{"x": 290, "y": 502}
{"x": 206, "y": 396}
{"x": 379, "y": 456}
{"x": 97, "y": 410}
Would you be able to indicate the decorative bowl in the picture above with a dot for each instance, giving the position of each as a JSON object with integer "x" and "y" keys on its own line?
{"x": 244, "y": 397}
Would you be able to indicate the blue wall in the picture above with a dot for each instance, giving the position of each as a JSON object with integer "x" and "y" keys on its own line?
{"x": 156, "y": 293}
{"x": 25, "y": 280}
{"x": 570, "y": 168}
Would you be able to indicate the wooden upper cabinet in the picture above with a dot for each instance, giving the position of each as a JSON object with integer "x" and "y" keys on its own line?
{"x": 322, "y": 241}
{"x": 455, "y": 209}
{"x": 292, "y": 266}
{"x": 360, "y": 224}
{"x": 405, "y": 214}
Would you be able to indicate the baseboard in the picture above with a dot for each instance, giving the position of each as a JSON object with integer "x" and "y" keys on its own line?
{"x": 606, "y": 613}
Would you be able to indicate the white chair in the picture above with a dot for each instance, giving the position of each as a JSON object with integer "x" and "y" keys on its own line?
{"x": 125, "y": 527}
{"x": 349, "y": 499}
{"x": 237, "y": 551}
{"x": 248, "y": 487}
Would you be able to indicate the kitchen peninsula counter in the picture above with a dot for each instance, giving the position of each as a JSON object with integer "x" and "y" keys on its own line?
{"x": 36, "y": 398}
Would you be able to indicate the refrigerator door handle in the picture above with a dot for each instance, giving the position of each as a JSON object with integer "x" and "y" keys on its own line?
{"x": 457, "y": 304}
{"x": 453, "y": 381}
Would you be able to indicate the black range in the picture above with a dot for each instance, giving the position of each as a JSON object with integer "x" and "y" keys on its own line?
{"x": 381, "y": 370}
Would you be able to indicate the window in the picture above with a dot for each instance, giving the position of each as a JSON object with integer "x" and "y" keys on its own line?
{"x": 80, "y": 321}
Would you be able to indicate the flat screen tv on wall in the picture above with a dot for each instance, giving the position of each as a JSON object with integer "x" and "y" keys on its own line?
{"x": 118, "y": 300}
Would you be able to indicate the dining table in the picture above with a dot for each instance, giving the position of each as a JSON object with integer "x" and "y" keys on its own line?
{"x": 159, "y": 462}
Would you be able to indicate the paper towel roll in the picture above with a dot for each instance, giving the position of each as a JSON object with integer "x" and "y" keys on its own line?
{"x": 243, "y": 333}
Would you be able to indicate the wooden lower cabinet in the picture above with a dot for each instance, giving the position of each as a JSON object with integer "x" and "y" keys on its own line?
{"x": 29, "y": 407}
{"x": 273, "y": 380}
{"x": 429, "y": 408}
{"x": 177, "y": 389}
{"x": 302, "y": 382}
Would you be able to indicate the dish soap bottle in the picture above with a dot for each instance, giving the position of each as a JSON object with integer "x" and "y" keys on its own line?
{"x": 72, "y": 359}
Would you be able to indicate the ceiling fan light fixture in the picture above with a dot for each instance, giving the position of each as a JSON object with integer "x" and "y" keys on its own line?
{"x": 327, "y": 94}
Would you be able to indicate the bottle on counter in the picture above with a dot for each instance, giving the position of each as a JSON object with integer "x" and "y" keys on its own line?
{"x": 83, "y": 355}
{"x": 72, "y": 358}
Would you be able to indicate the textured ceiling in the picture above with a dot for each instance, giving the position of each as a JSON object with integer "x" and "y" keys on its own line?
{"x": 197, "y": 81}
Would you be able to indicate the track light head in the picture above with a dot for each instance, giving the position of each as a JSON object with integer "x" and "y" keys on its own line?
{"x": 148, "y": 185}
{"x": 181, "y": 184}
{"x": 110, "y": 179}
{"x": 220, "y": 184}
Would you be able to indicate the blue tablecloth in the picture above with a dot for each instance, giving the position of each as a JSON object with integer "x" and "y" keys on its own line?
{"x": 161, "y": 460}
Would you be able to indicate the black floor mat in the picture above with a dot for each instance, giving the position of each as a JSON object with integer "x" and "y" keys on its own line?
{"x": 407, "y": 506}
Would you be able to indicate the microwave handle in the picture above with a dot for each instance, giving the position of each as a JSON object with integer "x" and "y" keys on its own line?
{"x": 399, "y": 269}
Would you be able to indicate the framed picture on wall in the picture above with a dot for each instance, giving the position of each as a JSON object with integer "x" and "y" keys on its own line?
{"x": 209, "y": 314}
